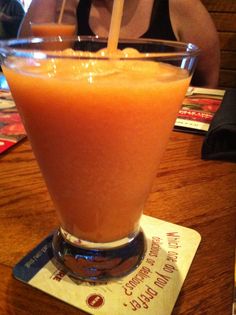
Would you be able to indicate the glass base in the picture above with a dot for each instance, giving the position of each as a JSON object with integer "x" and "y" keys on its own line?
{"x": 101, "y": 263}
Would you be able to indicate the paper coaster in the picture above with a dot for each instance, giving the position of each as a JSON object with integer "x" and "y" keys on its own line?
{"x": 152, "y": 288}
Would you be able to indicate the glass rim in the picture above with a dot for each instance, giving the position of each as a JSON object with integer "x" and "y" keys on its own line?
{"x": 9, "y": 48}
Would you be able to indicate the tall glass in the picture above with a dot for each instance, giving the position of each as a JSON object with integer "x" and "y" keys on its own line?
{"x": 98, "y": 125}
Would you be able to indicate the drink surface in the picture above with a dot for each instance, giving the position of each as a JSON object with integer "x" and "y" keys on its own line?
{"x": 98, "y": 130}
{"x": 52, "y": 29}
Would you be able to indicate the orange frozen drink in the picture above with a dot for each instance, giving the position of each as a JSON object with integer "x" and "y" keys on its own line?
{"x": 98, "y": 130}
{"x": 52, "y": 29}
{"x": 98, "y": 120}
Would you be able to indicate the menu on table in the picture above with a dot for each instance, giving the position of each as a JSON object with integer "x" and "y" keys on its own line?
{"x": 198, "y": 109}
{"x": 11, "y": 127}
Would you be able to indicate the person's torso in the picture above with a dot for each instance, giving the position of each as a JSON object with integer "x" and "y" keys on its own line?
{"x": 159, "y": 25}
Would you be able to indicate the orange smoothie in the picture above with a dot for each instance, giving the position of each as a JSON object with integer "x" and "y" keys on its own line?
{"x": 52, "y": 29}
{"x": 98, "y": 130}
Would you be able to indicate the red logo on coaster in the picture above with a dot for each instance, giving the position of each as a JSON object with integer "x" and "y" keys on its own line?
{"x": 95, "y": 300}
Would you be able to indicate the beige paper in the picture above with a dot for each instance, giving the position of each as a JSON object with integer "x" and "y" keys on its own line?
{"x": 151, "y": 289}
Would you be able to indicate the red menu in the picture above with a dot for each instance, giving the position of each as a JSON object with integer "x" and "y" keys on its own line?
{"x": 198, "y": 109}
{"x": 11, "y": 127}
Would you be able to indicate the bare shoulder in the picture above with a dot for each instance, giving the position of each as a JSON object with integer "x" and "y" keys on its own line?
{"x": 190, "y": 7}
{"x": 190, "y": 18}
{"x": 191, "y": 22}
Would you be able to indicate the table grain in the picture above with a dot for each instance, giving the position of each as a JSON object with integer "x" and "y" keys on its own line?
{"x": 187, "y": 191}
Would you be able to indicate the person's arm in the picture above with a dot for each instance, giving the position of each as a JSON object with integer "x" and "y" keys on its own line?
{"x": 192, "y": 23}
{"x": 47, "y": 11}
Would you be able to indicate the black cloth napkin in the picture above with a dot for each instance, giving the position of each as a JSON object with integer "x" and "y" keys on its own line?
{"x": 220, "y": 140}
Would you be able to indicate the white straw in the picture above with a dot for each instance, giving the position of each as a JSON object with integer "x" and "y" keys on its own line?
{"x": 114, "y": 32}
{"x": 61, "y": 12}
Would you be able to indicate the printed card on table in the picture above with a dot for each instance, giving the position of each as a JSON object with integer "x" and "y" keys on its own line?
{"x": 11, "y": 126}
{"x": 198, "y": 109}
{"x": 152, "y": 288}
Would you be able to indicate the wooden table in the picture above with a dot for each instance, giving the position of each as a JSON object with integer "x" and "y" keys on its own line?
{"x": 187, "y": 191}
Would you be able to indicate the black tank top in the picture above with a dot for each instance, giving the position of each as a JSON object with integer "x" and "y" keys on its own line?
{"x": 159, "y": 27}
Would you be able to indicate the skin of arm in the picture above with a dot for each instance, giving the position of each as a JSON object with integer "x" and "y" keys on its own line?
{"x": 192, "y": 23}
